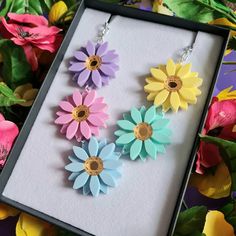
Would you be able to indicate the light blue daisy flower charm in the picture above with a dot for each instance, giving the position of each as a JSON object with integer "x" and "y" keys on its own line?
{"x": 143, "y": 133}
{"x": 94, "y": 166}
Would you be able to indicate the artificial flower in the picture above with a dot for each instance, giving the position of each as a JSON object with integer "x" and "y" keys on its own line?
{"x": 216, "y": 225}
{"x": 82, "y": 115}
{"x": 31, "y": 226}
{"x": 95, "y": 167}
{"x": 32, "y": 33}
{"x": 8, "y": 133}
{"x": 6, "y": 211}
{"x": 226, "y": 94}
{"x": 94, "y": 65}
{"x": 160, "y": 8}
{"x": 173, "y": 86}
{"x": 57, "y": 10}
{"x": 26, "y": 92}
{"x": 220, "y": 122}
{"x": 143, "y": 133}
{"x": 213, "y": 185}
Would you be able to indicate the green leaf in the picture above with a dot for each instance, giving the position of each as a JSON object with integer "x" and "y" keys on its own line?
{"x": 228, "y": 153}
{"x": 191, "y": 221}
{"x": 5, "y": 6}
{"x": 200, "y": 10}
{"x": 7, "y": 97}
{"x": 16, "y": 70}
{"x": 27, "y": 6}
{"x": 227, "y": 209}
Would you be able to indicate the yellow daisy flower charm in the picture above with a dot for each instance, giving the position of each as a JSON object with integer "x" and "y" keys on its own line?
{"x": 173, "y": 86}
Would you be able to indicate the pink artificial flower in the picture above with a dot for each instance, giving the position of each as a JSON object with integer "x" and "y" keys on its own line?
{"x": 32, "y": 33}
{"x": 220, "y": 122}
{"x": 8, "y": 133}
{"x": 82, "y": 115}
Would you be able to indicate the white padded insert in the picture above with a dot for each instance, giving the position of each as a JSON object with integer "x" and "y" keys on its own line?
{"x": 143, "y": 202}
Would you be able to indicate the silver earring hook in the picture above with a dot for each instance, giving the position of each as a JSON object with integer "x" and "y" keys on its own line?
{"x": 104, "y": 31}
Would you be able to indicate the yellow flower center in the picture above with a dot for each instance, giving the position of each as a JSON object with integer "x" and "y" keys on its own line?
{"x": 143, "y": 131}
{"x": 93, "y": 62}
{"x": 173, "y": 83}
{"x": 80, "y": 113}
{"x": 93, "y": 165}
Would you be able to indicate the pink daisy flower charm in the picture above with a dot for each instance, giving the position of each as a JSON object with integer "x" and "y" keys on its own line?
{"x": 81, "y": 115}
{"x": 94, "y": 65}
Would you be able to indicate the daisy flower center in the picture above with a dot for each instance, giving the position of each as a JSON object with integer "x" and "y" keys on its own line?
{"x": 93, "y": 165}
{"x": 80, "y": 113}
{"x": 173, "y": 83}
{"x": 143, "y": 131}
{"x": 93, "y": 62}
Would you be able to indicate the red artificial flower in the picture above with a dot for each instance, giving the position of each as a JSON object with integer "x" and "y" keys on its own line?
{"x": 8, "y": 133}
{"x": 220, "y": 122}
{"x": 32, "y": 33}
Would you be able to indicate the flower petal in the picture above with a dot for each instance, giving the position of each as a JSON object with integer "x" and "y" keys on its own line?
{"x": 80, "y": 153}
{"x": 90, "y": 97}
{"x": 158, "y": 74}
{"x": 81, "y": 180}
{"x": 86, "y": 188}
{"x": 107, "y": 151}
{"x": 93, "y": 146}
{"x": 161, "y": 97}
{"x": 160, "y": 148}
{"x": 107, "y": 70}
{"x": 64, "y": 119}
{"x": 151, "y": 96}
{"x": 125, "y": 124}
{"x": 170, "y": 67}
{"x": 104, "y": 188}
{"x": 153, "y": 87}
{"x": 160, "y": 137}
{"x": 85, "y": 129}
{"x": 119, "y": 132}
{"x": 184, "y": 70}
{"x": 81, "y": 56}
{"x": 94, "y": 185}
{"x": 83, "y": 77}
{"x": 109, "y": 57}
{"x": 95, "y": 120}
{"x": 166, "y": 105}
{"x": 150, "y": 114}
{"x": 66, "y": 106}
{"x": 174, "y": 101}
{"x": 188, "y": 95}
{"x": 112, "y": 164}
{"x": 183, "y": 104}
{"x": 102, "y": 49}
{"x": 77, "y": 97}
{"x": 107, "y": 178}
{"x": 125, "y": 138}
{"x": 76, "y": 67}
{"x": 75, "y": 167}
{"x": 136, "y": 115}
{"x": 135, "y": 149}
{"x": 73, "y": 176}
{"x": 160, "y": 123}
{"x": 97, "y": 107}
{"x": 90, "y": 48}
{"x": 150, "y": 148}
{"x": 190, "y": 82}
{"x": 72, "y": 129}
{"x": 96, "y": 78}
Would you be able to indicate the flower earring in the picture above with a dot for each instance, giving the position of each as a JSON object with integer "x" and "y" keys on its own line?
{"x": 143, "y": 133}
{"x": 94, "y": 65}
{"x": 174, "y": 85}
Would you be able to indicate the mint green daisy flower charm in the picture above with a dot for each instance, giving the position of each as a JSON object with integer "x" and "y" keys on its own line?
{"x": 143, "y": 133}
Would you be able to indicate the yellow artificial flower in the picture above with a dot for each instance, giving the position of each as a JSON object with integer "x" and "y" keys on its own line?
{"x": 225, "y": 22}
{"x": 173, "y": 86}
{"x": 226, "y": 94}
{"x": 57, "y": 11}
{"x": 216, "y": 225}
{"x": 26, "y": 92}
{"x": 30, "y": 226}
{"x": 6, "y": 211}
{"x": 215, "y": 185}
{"x": 159, "y": 8}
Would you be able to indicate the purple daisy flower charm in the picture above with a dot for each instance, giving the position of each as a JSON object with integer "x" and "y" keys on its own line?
{"x": 94, "y": 65}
